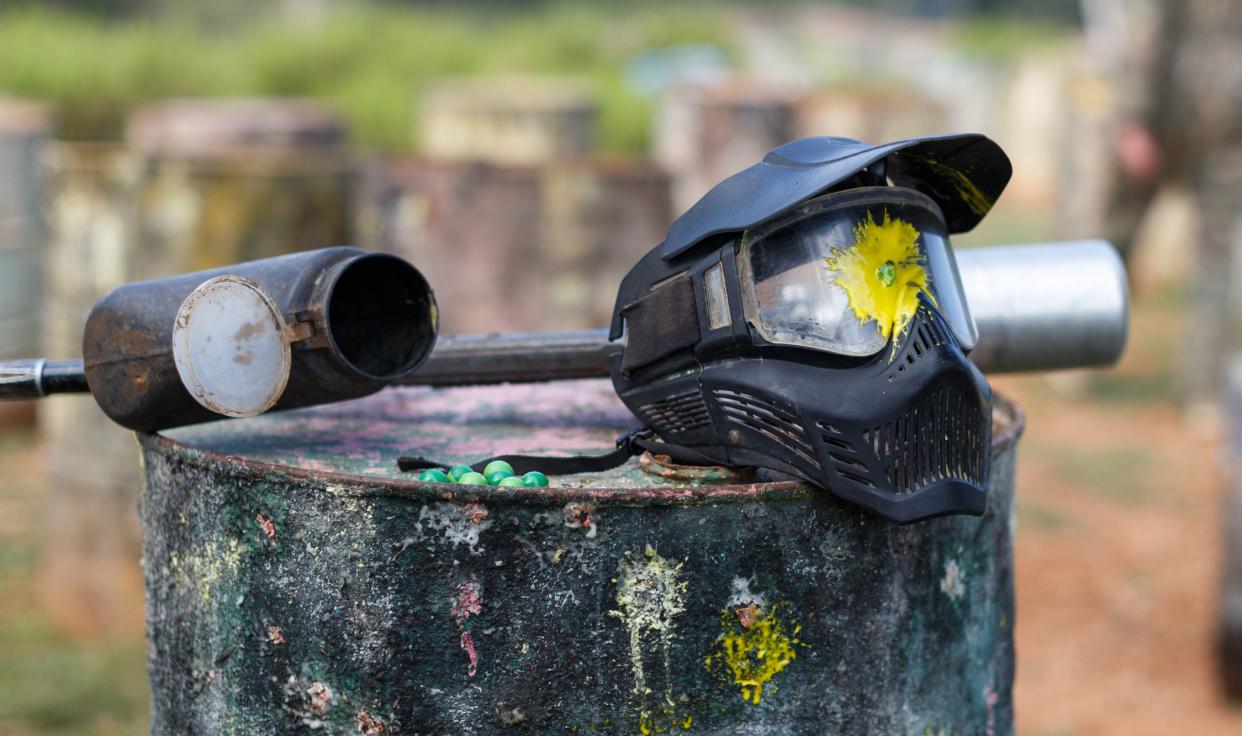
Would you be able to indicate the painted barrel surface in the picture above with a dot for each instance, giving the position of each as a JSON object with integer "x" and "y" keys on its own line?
{"x": 295, "y": 579}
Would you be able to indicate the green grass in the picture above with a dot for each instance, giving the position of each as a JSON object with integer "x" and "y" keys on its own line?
{"x": 1001, "y": 37}
{"x": 1120, "y": 475}
{"x": 53, "y": 685}
{"x": 368, "y": 62}
{"x": 50, "y": 683}
{"x": 1045, "y": 518}
{"x": 1125, "y": 388}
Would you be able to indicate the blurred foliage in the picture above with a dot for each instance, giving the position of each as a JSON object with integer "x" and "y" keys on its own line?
{"x": 1004, "y": 36}
{"x": 1048, "y": 10}
{"x": 52, "y": 684}
{"x": 1044, "y": 517}
{"x": 1061, "y": 11}
{"x": 369, "y": 62}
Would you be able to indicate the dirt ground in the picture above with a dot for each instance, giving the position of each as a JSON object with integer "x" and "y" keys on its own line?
{"x": 1118, "y": 550}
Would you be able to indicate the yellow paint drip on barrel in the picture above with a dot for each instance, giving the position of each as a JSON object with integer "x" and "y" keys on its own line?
{"x": 210, "y": 565}
{"x": 882, "y": 273}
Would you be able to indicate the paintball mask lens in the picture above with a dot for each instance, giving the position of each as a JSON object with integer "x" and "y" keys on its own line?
{"x": 843, "y": 272}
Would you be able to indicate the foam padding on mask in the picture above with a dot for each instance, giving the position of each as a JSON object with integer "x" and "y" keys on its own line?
{"x": 882, "y": 273}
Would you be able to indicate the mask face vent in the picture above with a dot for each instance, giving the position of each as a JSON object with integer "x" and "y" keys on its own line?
{"x": 841, "y": 454}
{"x": 944, "y": 436}
{"x": 926, "y": 333}
{"x": 682, "y": 412}
{"x": 765, "y": 418}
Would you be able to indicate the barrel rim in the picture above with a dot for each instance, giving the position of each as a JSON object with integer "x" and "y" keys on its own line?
{"x": 1011, "y": 414}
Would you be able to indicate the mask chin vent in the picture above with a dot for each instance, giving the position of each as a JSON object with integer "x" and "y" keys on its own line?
{"x": 926, "y": 333}
{"x": 683, "y": 412}
{"x": 944, "y": 436}
{"x": 842, "y": 456}
{"x": 766, "y": 419}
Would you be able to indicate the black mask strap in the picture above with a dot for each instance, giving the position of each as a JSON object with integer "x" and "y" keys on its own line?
{"x": 629, "y": 444}
{"x": 659, "y": 324}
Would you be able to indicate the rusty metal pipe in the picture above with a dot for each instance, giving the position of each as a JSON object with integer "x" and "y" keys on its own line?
{"x": 340, "y": 323}
{"x": 297, "y": 330}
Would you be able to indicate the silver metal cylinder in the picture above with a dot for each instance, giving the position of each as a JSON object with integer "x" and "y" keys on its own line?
{"x": 1046, "y": 305}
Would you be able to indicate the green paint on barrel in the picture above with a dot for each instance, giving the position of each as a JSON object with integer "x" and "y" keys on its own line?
{"x": 296, "y": 579}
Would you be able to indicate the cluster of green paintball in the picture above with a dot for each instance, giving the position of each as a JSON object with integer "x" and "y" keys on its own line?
{"x": 495, "y": 473}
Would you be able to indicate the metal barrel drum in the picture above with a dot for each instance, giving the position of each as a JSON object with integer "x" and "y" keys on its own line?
{"x": 704, "y": 133}
{"x": 273, "y": 177}
{"x": 514, "y": 121}
{"x": 199, "y": 184}
{"x": 297, "y": 580}
{"x": 24, "y": 131}
{"x": 869, "y": 112}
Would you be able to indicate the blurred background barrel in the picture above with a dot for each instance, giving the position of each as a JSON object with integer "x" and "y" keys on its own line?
{"x": 522, "y": 120}
{"x": 272, "y": 177}
{"x": 24, "y": 131}
{"x": 507, "y": 210}
{"x": 517, "y": 247}
{"x": 705, "y": 133}
{"x": 297, "y": 579}
{"x": 199, "y": 184}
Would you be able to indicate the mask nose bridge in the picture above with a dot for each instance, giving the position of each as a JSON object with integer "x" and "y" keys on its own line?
{"x": 927, "y": 333}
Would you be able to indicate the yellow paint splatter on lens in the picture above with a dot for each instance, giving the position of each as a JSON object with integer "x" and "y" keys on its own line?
{"x": 882, "y": 273}
{"x": 754, "y": 647}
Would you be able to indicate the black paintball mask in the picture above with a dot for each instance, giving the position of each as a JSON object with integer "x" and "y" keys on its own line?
{"x": 807, "y": 317}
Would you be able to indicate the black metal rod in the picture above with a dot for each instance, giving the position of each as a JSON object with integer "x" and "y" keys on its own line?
{"x": 460, "y": 360}
{"x": 31, "y": 379}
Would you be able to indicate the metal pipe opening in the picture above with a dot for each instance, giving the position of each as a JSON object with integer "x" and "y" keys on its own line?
{"x": 381, "y": 316}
